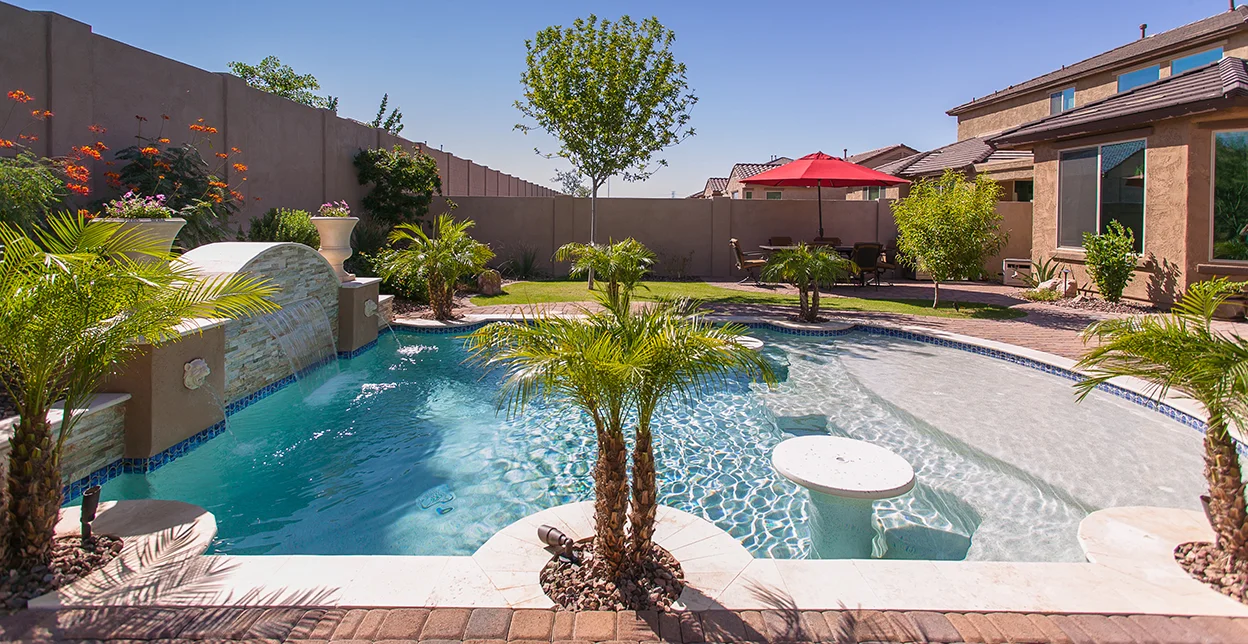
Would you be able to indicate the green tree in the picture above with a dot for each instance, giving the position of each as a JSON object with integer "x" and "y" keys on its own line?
{"x": 441, "y": 260}
{"x": 806, "y": 267}
{"x": 1182, "y": 352}
{"x": 29, "y": 189}
{"x": 1111, "y": 259}
{"x": 571, "y": 182}
{"x": 72, "y": 305}
{"x": 621, "y": 264}
{"x": 392, "y": 123}
{"x": 613, "y": 95}
{"x": 949, "y": 227}
{"x": 271, "y": 76}
{"x": 403, "y": 183}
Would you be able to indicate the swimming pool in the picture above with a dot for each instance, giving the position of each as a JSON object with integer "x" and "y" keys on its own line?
{"x": 400, "y": 451}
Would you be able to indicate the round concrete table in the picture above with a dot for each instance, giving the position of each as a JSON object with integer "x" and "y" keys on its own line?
{"x": 844, "y": 477}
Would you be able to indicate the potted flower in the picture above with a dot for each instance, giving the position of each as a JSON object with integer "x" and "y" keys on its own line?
{"x": 149, "y": 215}
{"x": 334, "y": 223}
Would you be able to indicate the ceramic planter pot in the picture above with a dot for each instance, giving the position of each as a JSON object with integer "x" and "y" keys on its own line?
{"x": 162, "y": 230}
{"x": 335, "y": 235}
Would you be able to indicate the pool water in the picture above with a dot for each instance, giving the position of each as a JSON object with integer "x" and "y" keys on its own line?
{"x": 401, "y": 451}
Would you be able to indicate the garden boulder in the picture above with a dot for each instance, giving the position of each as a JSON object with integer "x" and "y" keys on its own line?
{"x": 490, "y": 282}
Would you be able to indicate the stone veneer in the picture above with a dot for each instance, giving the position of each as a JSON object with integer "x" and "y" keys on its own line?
{"x": 98, "y": 439}
{"x": 253, "y": 358}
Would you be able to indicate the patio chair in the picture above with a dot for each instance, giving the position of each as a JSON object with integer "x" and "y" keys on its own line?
{"x": 890, "y": 260}
{"x": 752, "y": 263}
{"x": 867, "y": 256}
{"x": 780, "y": 241}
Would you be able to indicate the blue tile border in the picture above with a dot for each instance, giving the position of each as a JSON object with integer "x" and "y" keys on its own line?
{"x": 150, "y": 464}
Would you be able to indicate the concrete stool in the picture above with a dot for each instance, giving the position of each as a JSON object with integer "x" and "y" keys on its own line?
{"x": 844, "y": 477}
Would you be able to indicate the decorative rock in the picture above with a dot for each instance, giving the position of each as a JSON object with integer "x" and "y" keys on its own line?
{"x": 1055, "y": 285}
{"x": 490, "y": 282}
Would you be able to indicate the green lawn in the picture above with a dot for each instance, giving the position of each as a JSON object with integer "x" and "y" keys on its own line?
{"x": 568, "y": 291}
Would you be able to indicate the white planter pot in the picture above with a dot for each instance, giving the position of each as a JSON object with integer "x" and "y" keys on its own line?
{"x": 163, "y": 231}
{"x": 335, "y": 235}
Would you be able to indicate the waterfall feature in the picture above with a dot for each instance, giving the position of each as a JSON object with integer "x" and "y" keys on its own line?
{"x": 303, "y": 331}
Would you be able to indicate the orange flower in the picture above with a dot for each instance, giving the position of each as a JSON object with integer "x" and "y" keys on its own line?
{"x": 256, "y": 198}
{"x": 20, "y": 96}
{"x": 244, "y": 178}
{"x": 40, "y": 114}
{"x": 86, "y": 214}
{"x": 114, "y": 179}
{"x": 160, "y": 176}
{"x": 216, "y": 198}
{"x": 197, "y": 128}
{"x": 78, "y": 173}
{"x": 236, "y": 151}
{"x": 163, "y": 165}
{"x": 199, "y": 120}
{"x": 79, "y": 189}
{"x": 99, "y": 145}
{"x": 89, "y": 151}
{"x": 28, "y": 137}
{"x": 222, "y": 155}
{"x": 238, "y": 196}
{"x": 98, "y": 129}
{"x": 164, "y": 116}
{"x": 210, "y": 130}
{"x": 150, "y": 151}
{"x": 238, "y": 167}
{"x": 5, "y": 143}
{"x": 162, "y": 140}
{"x": 218, "y": 184}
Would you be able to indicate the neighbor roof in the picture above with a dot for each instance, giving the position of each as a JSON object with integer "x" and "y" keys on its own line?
{"x": 863, "y": 157}
{"x": 1190, "y": 35}
{"x": 1197, "y": 90}
{"x": 954, "y": 156}
{"x": 747, "y": 170}
{"x": 716, "y": 183}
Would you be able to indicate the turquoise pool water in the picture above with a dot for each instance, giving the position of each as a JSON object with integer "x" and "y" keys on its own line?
{"x": 400, "y": 451}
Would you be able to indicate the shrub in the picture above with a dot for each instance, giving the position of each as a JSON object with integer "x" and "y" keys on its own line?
{"x": 523, "y": 265}
{"x": 949, "y": 226}
{"x": 284, "y": 225}
{"x": 403, "y": 184}
{"x": 132, "y": 206}
{"x": 1041, "y": 295}
{"x": 806, "y": 267}
{"x": 1111, "y": 259}
{"x": 29, "y": 189}
{"x": 1040, "y": 272}
{"x": 440, "y": 260}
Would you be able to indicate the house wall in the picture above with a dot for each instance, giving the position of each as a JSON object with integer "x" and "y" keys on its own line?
{"x": 689, "y": 235}
{"x": 994, "y": 118}
{"x": 297, "y": 156}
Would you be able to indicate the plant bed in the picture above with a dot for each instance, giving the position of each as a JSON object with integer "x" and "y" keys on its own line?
{"x": 655, "y": 587}
{"x": 1207, "y": 563}
{"x": 71, "y": 561}
{"x": 1085, "y": 303}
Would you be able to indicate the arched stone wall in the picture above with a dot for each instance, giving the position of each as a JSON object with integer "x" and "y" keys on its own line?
{"x": 252, "y": 358}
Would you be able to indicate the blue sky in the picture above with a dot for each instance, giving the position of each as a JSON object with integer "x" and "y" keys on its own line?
{"x": 772, "y": 78}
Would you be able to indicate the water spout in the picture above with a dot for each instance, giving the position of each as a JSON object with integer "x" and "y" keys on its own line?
{"x": 303, "y": 331}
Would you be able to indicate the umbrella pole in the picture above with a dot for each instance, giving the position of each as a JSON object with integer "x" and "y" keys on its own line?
{"x": 819, "y": 197}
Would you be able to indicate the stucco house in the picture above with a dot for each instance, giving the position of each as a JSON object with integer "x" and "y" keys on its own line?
{"x": 734, "y": 185}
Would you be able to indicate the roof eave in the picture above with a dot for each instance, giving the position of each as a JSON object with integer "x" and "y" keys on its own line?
{"x": 1024, "y": 140}
{"x": 1006, "y": 94}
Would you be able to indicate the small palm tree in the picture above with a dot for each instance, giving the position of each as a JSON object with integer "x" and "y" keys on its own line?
{"x": 806, "y": 267}
{"x": 620, "y": 264}
{"x": 583, "y": 363}
{"x": 73, "y": 303}
{"x": 441, "y": 260}
{"x": 1181, "y": 351}
{"x": 680, "y": 355}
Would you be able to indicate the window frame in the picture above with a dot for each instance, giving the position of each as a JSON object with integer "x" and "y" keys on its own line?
{"x": 767, "y": 195}
{"x": 1213, "y": 185}
{"x": 1062, "y": 93}
{"x": 749, "y": 194}
{"x": 1221, "y": 49}
{"x": 1118, "y": 77}
{"x": 1144, "y": 211}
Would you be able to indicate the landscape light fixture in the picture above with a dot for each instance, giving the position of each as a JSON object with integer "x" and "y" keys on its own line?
{"x": 90, "y": 503}
{"x": 552, "y": 537}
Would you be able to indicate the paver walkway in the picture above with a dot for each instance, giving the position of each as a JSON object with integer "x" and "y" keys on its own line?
{"x": 500, "y": 625}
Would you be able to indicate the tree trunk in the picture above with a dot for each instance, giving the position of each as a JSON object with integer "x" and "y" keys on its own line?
{"x": 593, "y": 224}
{"x": 935, "y": 294}
{"x": 441, "y": 297}
{"x": 610, "y": 503}
{"x": 814, "y": 302}
{"x": 801, "y": 301}
{"x": 1226, "y": 492}
{"x": 34, "y": 482}
{"x": 645, "y": 497}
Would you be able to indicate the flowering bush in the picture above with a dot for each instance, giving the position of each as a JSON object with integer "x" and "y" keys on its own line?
{"x": 334, "y": 209}
{"x": 193, "y": 188}
{"x": 132, "y": 206}
{"x": 31, "y": 186}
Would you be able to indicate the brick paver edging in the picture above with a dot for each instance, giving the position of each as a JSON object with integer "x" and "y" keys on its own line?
{"x": 502, "y": 626}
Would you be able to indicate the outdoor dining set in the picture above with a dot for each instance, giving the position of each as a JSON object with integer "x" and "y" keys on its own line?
{"x": 871, "y": 259}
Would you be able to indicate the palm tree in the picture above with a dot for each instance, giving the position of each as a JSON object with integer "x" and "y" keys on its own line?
{"x": 73, "y": 302}
{"x": 582, "y": 363}
{"x": 441, "y": 260}
{"x": 621, "y": 264}
{"x": 806, "y": 267}
{"x": 1181, "y": 351}
{"x": 679, "y": 355}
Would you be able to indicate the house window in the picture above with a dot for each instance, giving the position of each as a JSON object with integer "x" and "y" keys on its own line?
{"x": 1061, "y": 101}
{"x": 773, "y": 195}
{"x": 1180, "y": 65}
{"x": 736, "y": 194}
{"x": 1024, "y": 190}
{"x": 874, "y": 194}
{"x": 1230, "y": 195}
{"x": 1099, "y": 185}
{"x": 749, "y": 194}
{"x": 1138, "y": 77}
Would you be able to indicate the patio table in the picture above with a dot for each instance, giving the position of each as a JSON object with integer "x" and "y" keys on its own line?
{"x": 843, "y": 250}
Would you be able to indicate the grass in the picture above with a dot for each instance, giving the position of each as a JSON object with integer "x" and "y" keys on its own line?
{"x": 568, "y": 291}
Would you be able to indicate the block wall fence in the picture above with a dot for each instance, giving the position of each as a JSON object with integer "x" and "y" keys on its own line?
{"x": 297, "y": 156}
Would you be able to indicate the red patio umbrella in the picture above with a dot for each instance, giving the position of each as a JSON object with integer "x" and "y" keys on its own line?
{"x": 821, "y": 170}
